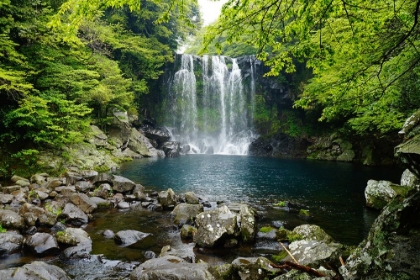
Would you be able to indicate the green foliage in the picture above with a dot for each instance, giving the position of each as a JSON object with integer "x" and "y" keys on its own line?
{"x": 2, "y": 230}
{"x": 54, "y": 210}
{"x": 280, "y": 204}
{"x": 266, "y": 229}
{"x": 364, "y": 55}
{"x": 304, "y": 212}
{"x": 280, "y": 256}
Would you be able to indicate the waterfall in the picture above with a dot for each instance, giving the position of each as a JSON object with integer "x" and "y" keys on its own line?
{"x": 210, "y": 104}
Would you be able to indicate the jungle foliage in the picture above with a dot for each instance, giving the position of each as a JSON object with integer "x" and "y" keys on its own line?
{"x": 65, "y": 65}
{"x": 364, "y": 54}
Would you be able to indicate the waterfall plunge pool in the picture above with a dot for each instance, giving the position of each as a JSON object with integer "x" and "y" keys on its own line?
{"x": 333, "y": 192}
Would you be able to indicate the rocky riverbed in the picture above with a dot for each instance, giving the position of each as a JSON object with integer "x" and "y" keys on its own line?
{"x": 45, "y": 222}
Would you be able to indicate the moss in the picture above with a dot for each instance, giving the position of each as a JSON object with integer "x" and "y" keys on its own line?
{"x": 266, "y": 229}
{"x": 281, "y": 204}
{"x": 279, "y": 256}
{"x": 2, "y": 230}
{"x": 403, "y": 191}
{"x": 304, "y": 212}
{"x": 291, "y": 236}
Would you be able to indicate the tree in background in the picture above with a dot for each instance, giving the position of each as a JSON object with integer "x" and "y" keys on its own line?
{"x": 364, "y": 55}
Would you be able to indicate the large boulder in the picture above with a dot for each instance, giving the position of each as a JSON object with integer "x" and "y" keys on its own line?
{"x": 379, "y": 193}
{"x": 141, "y": 144}
{"x": 171, "y": 148}
{"x": 184, "y": 251}
{"x": 314, "y": 253}
{"x": 122, "y": 184}
{"x": 11, "y": 220}
{"x": 10, "y": 242}
{"x": 248, "y": 223}
{"x": 391, "y": 250}
{"x": 79, "y": 242}
{"x": 34, "y": 271}
{"x": 215, "y": 226}
{"x": 312, "y": 232}
{"x": 171, "y": 267}
{"x": 409, "y": 179}
{"x": 160, "y": 135}
{"x": 185, "y": 213}
{"x": 42, "y": 243}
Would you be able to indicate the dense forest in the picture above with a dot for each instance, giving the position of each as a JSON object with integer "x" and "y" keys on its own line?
{"x": 68, "y": 64}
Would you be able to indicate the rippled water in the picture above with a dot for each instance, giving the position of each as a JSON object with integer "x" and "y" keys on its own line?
{"x": 332, "y": 191}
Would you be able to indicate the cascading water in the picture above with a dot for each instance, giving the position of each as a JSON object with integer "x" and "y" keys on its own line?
{"x": 210, "y": 104}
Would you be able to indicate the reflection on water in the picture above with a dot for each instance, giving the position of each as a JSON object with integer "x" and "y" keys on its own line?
{"x": 332, "y": 191}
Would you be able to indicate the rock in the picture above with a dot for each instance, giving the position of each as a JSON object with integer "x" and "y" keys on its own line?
{"x": 188, "y": 231}
{"x": 410, "y": 180}
{"x": 73, "y": 236}
{"x": 83, "y": 202}
{"x": 42, "y": 243}
{"x": 83, "y": 186}
{"x": 6, "y": 198}
{"x": 149, "y": 255}
{"x": 39, "y": 179}
{"x": 391, "y": 250}
{"x": 108, "y": 234}
{"x": 253, "y": 268}
{"x": 171, "y": 149}
{"x": 128, "y": 237}
{"x": 214, "y": 226}
{"x": 267, "y": 233}
{"x": 185, "y": 252}
{"x": 379, "y": 193}
{"x": 11, "y": 220}
{"x": 34, "y": 215}
{"x": 10, "y": 242}
{"x": 142, "y": 145}
{"x": 185, "y": 213}
{"x": 89, "y": 174}
{"x": 222, "y": 271}
{"x": 72, "y": 214}
{"x": 167, "y": 198}
{"x": 66, "y": 191}
{"x": 16, "y": 178}
{"x": 248, "y": 223}
{"x": 122, "y": 184}
{"x": 191, "y": 198}
{"x": 10, "y": 189}
{"x": 78, "y": 239}
{"x": 171, "y": 267}
{"x": 160, "y": 135}
{"x": 312, "y": 232}
{"x": 277, "y": 224}
{"x": 101, "y": 203}
{"x": 99, "y": 137}
{"x": 313, "y": 253}
{"x": 34, "y": 271}
{"x": 409, "y": 154}
{"x": 104, "y": 191}
{"x": 123, "y": 205}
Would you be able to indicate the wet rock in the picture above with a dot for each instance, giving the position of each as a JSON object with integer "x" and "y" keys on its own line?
{"x": 214, "y": 226}
{"x": 104, "y": 191}
{"x": 128, "y": 237}
{"x": 78, "y": 239}
{"x": 34, "y": 271}
{"x": 248, "y": 223}
{"x": 277, "y": 224}
{"x": 222, "y": 271}
{"x": 149, "y": 255}
{"x": 410, "y": 180}
{"x": 34, "y": 215}
{"x": 72, "y": 214}
{"x": 11, "y": 220}
{"x": 391, "y": 250}
{"x": 313, "y": 253}
{"x": 160, "y": 135}
{"x": 185, "y": 213}
{"x": 167, "y": 198}
{"x": 185, "y": 252}
{"x": 108, "y": 234}
{"x": 188, "y": 231}
{"x": 42, "y": 243}
{"x": 10, "y": 242}
{"x": 122, "y": 184}
{"x": 253, "y": 268}
{"x": 123, "y": 205}
{"x": 312, "y": 232}
{"x": 83, "y": 186}
{"x": 191, "y": 198}
{"x": 83, "y": 202}
{"x": 171, "y": 149}
{"x": 6, "y": 198}
{"x": 267, "y": 233}
{"x": 171, "y": 267}
{"x": 379, "y": 193}
{"x": 58, "y": 227}
{"x": 101, "y": 203}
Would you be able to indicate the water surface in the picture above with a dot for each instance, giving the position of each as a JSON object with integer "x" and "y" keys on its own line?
{"x": 333, "y": 192}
